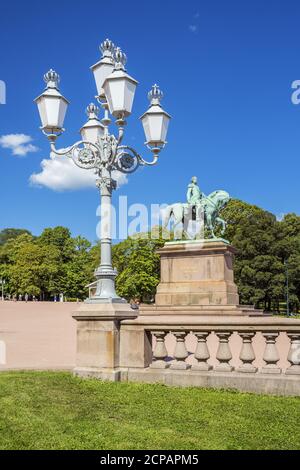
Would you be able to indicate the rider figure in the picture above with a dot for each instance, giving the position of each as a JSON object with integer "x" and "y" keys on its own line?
{"x": 194, "y": 194}
{"x": 195, "y": 197}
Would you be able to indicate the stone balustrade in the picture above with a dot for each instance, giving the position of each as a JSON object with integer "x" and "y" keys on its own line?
{"x": 247, "y": 355}
{"x": 260, "y": 354}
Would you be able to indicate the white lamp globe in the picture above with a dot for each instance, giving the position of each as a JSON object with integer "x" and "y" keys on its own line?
{"x": 155, "y": 120}
{"x": 119, "y": 88}
{"x": 92, "y": 130}
{"x": 105, "y": 66}
{"x": 52, "y": 106}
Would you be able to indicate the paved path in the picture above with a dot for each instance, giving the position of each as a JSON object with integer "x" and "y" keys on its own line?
{"x": 37, "y": 335}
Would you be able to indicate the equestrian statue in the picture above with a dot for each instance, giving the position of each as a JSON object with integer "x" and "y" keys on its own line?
{"x": 200, "y": 208}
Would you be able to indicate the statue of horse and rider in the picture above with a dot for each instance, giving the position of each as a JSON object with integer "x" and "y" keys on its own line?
{"x": 200, "y": 208}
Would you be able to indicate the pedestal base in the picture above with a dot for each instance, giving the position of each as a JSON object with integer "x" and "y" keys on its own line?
{"x": 159, "y": 365}
{"x": 247, "y": 369}
{"x": 202, "y": 367}
{"x": 270, "y": 370}
{"x": 293, "y": 370}
{"x": 179, "y": 365}
{"x": 197, "y": 273}
{"x": 193, "y": 310}
{"x": 224, "y": 368}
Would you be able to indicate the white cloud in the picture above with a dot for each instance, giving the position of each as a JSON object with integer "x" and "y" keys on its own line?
{"x": 193, "y": 28}
{"x": 19, "y": 144}
{"x": 61, "y": 173}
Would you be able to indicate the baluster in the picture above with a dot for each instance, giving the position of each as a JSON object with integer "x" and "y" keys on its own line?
{"x": 202, "y": 353}
{"x": 160, "y": 351}
{"x": 294, "y": 354}
{"x": 224, "y": 354}
{"x": 247, "y": 354}
{"x": 271, "y": 356}
{"x": 180, "y": 353}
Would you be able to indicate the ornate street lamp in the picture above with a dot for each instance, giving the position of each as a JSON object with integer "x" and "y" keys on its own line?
{"x": 101, "y": 150}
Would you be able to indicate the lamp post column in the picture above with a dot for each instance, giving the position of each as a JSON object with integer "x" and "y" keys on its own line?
{"x": 105, "y": 273}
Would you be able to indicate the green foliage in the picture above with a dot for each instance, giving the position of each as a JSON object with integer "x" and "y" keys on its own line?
{"x": 47, "y": 265}
{"x": 54, "y": 410}
{"x": 263, "y": 244}
{"x": 78, "y": 270}
{"x": 11, "y": 233}
{"x": 137, "y": 262}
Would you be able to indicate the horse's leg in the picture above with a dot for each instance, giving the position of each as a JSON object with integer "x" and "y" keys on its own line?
{"x": 185, "y": 227}
{"x": 210, "y": 225}
{"x": 222, "y": 222}
{"x": 200, "y": 222}
{"x": 167, "y": 214}
{"x": 177, "y": 213}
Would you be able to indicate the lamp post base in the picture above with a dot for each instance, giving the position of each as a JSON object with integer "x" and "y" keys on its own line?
{"x": 106, "y": 290}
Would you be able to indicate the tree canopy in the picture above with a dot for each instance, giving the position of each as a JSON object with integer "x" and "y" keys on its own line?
{"x": 11, "y": 233}
{"x": 47, "y": 265}
{"x": 267, "y": 250}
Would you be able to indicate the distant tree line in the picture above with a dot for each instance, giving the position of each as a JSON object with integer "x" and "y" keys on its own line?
{"x": 55, "y": 262}
{"x": 47, "y": 265}
{"x": 268, "y": 250}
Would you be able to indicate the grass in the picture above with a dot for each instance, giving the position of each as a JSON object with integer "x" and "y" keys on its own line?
{"x": 54, "y": 410}
{"x": 296, "y": 316}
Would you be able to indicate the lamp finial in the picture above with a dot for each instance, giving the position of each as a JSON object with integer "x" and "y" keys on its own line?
{"x": 120, "y": 59}
{"x": 52, "y": 79}
{"x": 107, "y": 48}
{"x": 92, "y": 111}
{"x": 155, "y": 95}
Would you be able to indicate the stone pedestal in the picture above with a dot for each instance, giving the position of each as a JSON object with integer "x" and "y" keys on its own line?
{"x": 98, "y": 339}
{"x": 197, "y": 279}
{"x": 197, "y": 273}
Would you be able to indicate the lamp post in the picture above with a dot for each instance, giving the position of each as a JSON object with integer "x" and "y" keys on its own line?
{"x": 101, "y": 150}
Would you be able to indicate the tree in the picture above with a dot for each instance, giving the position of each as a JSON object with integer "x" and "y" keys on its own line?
{"x": 138, "y": 265}
{"x": 32, "y": 267}
{"x": 60, "y": 237}
{"x": 288, "y": 250}
{"x": 47, "y": 265}
{"x": 259, "y": 271}
{"x": 10, "y": 234}
{"x": 79, "y": 269}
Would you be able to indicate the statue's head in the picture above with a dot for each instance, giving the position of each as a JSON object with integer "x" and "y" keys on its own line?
{"x": 194, "y": 179}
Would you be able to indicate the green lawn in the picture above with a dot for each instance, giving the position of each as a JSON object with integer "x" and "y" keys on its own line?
{"x": 46, "y": 410}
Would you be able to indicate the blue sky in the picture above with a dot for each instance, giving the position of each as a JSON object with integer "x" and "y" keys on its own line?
{"x": 226, "y": 69}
